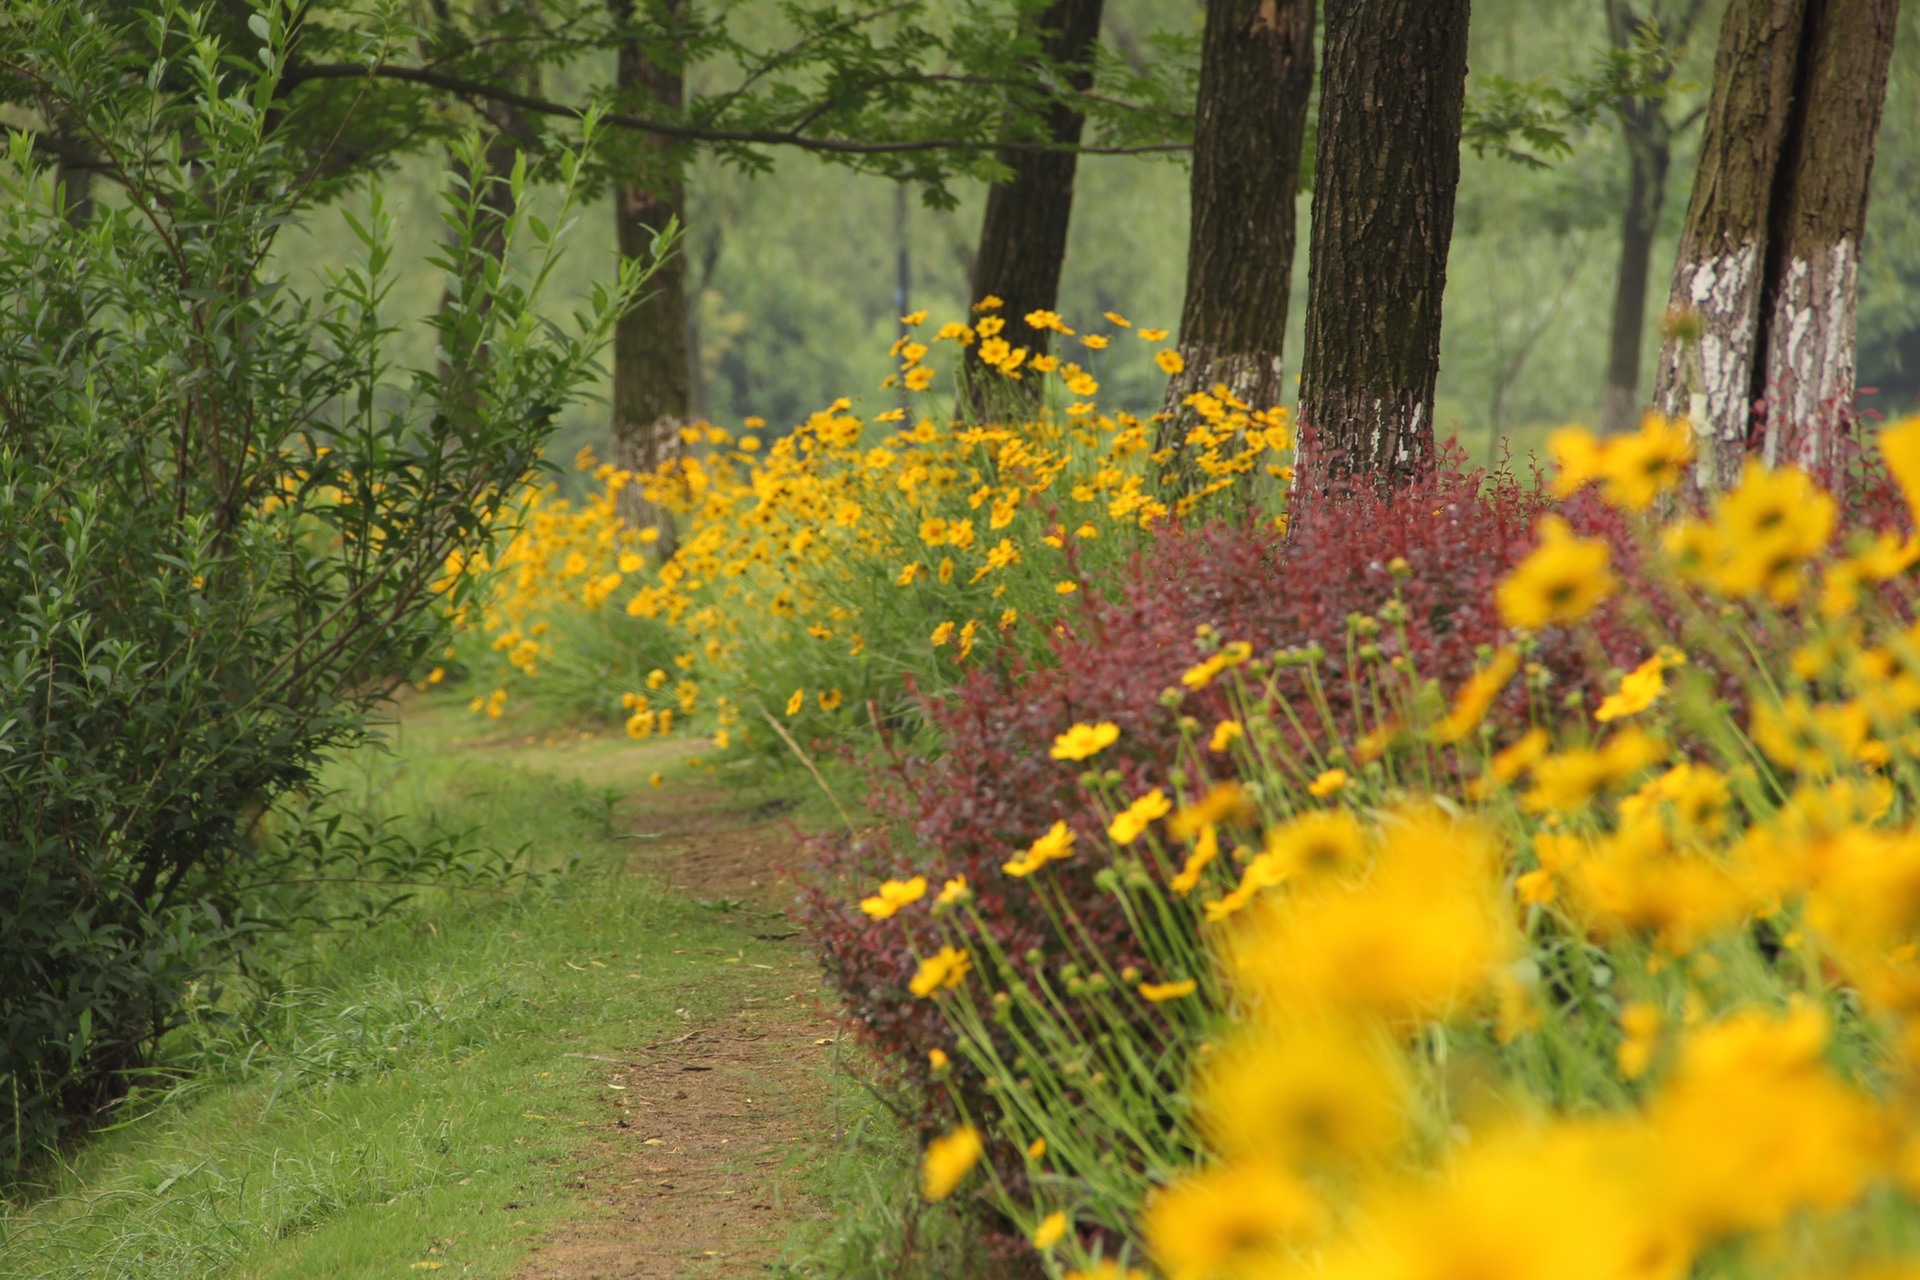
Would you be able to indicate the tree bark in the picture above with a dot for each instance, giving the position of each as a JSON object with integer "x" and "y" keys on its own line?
{"x": 1023, "y": 237}
{"x": 1813, "y": 247}
{"x": 1707, "y": 365}
{"x": 1649, "y": 156}
{"x": 1256, "y": 75}
{"x": 1387, "y": 168}
{"x": 1769, "y": 259}
{"x": 652, "y": 358}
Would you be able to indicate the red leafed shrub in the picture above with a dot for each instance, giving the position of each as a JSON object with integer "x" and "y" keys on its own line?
{"x": 993, "y": 788}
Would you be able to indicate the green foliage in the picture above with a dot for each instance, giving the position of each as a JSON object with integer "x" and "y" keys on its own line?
{"x": 407, "y": 1081}
{"x": 226, "y": 518}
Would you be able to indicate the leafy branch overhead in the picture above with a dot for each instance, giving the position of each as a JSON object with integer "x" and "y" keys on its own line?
{"x": 899, "y": 90}
{"x": 1534, "y": 122}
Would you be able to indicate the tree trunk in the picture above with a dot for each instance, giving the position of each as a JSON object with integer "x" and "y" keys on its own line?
{"x": 652, "y": 361}
{"x": 1707, "y": 365}
{"x": 1023, "y": 238}
{"x": 1392, "y": 87}
{"x": 1256, "y": 74}
{"x": 1813, "y": 247}
{"x": 1648, "y": 134}
{"x": 1649, "y": 155}
{"x": 1770, "y": 255}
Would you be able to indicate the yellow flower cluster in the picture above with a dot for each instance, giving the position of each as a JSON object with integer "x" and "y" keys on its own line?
{"x": 795, "y": 555}
{"x": 1634, "y": 996}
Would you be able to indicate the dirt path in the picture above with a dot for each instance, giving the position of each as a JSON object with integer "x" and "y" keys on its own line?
{"x": 692, "y": 1172}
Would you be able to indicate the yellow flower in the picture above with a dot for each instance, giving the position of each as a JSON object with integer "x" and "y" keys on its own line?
{"x": 656, "y": 678}
{"x": 1316, "y": 843}
{"x": 1037, "y": 1149}
{"x": 655, "y": 779}
{"x": 798, "y": 700}
{"x": 1319, "y": 1093}
{"x": 937, "y": 1059}
{"x": 1152, "y": 335}
{"x": 1327, "y": 783}
{"x": 1226, "y": 801}
{"x": 1138, "y": 816}
{"x": 988, "y": 303}
{"x": 1161, "y": 992}
{"x": 947, "y": 967}
{"x": 1108, "y": 1269}
{"x": 1056, "y": 844}
{"x": 1470, "y": 705}
{"x": 1051, "y": 1229}
{"x": 918, "y": 379}
{"x": 1084, "y": 741}
{"x": 942, "y": 633}
{"x": 1205, "y": 850}
{"x": 1094, "y": 342}
{"x": 1169, "y": 360}
{"x": 1224, "y": 735}
{"x": 1819, "y": 740}
{"x": 1638, "y": 468}
{"x": 893, "y": 895}
{"x": 1641, "y": 1023}
{"x": 1577, "y": 455}
{"x": 949, "y": 1159}
{"x": 1114, "y": 317}
{"x": 1766, "y": 528}
{"x": 933, "y": 531}
{"x": 1201, "y": 675}
{"x": 1066, "y": 587}
{"x": 1047, "y": 320}
{"x": 954, "y": 890}
{"x": 1426, "y": 929}
{"x": 1560, "y": 582}
{"x": 830, "y": 699}
{"x": 1226, "y": 1221}
{"x": 1639, "y": 689}
{"x": 1900, "y": 446}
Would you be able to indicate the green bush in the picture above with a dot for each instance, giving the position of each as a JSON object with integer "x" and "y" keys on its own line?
{"x": 226, "y": 522}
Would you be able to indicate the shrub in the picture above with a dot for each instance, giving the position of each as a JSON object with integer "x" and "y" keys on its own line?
{"x": 1642, "y": 989}
{"x": 992, "y": 788}
{"x": 226, "y": 524}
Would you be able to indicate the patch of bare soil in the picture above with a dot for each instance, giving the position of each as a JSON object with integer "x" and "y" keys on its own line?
{"x": 692, "y": 1169}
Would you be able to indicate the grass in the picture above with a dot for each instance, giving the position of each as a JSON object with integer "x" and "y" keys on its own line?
{"x": 402, "y": 1102}
{"x": 407, "y": 1105}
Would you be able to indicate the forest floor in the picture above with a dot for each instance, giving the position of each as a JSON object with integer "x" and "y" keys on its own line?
{"x": 628, "y": 1073}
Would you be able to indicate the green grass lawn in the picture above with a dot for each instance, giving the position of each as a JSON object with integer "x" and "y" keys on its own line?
{"x": 407, "y": 1106}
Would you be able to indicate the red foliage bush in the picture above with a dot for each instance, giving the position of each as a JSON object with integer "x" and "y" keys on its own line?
{"x": 993, "y": 788}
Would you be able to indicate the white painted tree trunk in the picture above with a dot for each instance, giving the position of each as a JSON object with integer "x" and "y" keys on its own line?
{"x": 1709, "y": 380}
{"x": 1810, "y": 354}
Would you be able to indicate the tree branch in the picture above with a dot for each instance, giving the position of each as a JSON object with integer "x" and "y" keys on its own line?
{"x": 691, "y": 133}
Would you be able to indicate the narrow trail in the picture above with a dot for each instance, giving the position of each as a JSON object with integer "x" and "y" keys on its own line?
{"x": 691, "y": 1173}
